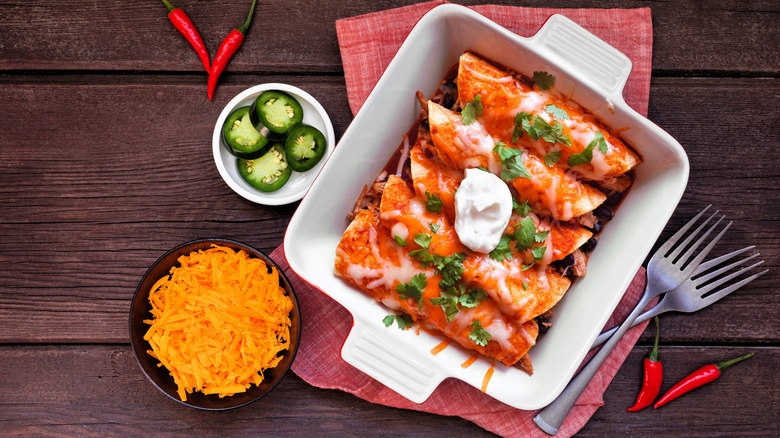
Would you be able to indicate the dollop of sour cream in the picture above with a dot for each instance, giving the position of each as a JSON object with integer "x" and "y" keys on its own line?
{"x": 483, "y": 206}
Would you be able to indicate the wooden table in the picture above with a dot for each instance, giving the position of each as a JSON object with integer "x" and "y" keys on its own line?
{"x": 106, "y": 163}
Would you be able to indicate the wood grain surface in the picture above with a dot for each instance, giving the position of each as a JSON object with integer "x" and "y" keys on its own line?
{"x": 106, "y": 163}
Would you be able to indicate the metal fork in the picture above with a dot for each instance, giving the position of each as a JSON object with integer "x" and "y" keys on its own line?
{"x": 667, "y": 269}
{"x": 690, "y": 296}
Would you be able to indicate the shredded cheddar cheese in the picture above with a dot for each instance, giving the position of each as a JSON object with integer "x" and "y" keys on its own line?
{"x": 219, "y": 320}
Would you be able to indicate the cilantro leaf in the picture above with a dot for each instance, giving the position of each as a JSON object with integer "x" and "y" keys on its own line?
{"x": 541, "y": 236}
{"x": 433, "y": 203}
{"x": 520, "y": 118}
{"x": 472, "y": 110}
{"x": 587, "y": 155}
{"x": 502, "y": 250}
{"x": 450, "y": 268}
{"x": 601, "y": 142}
{"x": 448, "y": 303}
{"x": 521, "y": 209}
{"x": 583, "y": 157}
{"x": 512, "y": 163}
{"x": 478, "y": 334}
{"x": 525, "y": 234}
{"x": 399, "y": 241}
{"x": 423, "y": 239}
{"x": 552, "y": 157}
{"x": 525, "y": 285}
{"x": 543, "y": 80}
{"x": 550, "y": 133}
{"x": 413, "y": 289}
{"x": 472, "y": 298}
{"x": 538, "y": 252}
{"x": 505, "y": 152}
{"x": 557, "y": 112}
{"x": 434, "y": 227}
{"x": 404, "y": 321}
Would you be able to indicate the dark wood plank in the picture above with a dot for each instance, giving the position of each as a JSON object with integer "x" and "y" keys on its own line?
{"x": 90, "y": 200}
{"x": 713, "y": 37}
{"x": 100, "y": 390}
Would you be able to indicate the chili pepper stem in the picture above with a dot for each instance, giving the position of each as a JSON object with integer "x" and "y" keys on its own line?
{"x": 243, "y": 28}
{"x": 653, "y": 356}
{"x": 168, "y": 5}
{"x": 723, "y": 365}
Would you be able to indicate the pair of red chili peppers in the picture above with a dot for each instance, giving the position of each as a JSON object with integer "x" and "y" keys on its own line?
{"x": 226, "y": 50}
{"x": 651, "y": 385}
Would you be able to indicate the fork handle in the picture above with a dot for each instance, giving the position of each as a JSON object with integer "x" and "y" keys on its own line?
{"x": 551, "y": 417}
{"x": 602, "y": 338}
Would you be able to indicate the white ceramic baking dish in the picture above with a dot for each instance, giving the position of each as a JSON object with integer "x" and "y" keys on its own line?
{"x": 402, "y": 360}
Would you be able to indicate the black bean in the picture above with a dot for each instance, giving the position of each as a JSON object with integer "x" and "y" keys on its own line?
{"x": 567, "y": 261}
{"x": 596, "y": 228}
{"x": 424, "y": 124}
{"x": 590, "y": 245}
{"x": 448, "y": 101}
{"x": 614, "y": 199}
{"x": 603, "y": 212}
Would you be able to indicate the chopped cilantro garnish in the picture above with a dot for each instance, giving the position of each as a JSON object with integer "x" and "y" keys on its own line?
{"x": 538, "y": 253}
{"x": 448, "y": 303}
{"x": 525, "y": 285}
{"x": 503, "y": 250}
{"x": 541, "y": 236}
{"x": 552, "y": 157}
{"x": 450, "y": 268}
{"x": 413, "y": 289}
{"x": 601, "y": 141}
{"x": 587, "y": 155}
{"x": 449, "y": 300}
{"x": 555, "y": 111}
{"x": 403, "y": 321}
{"x": 520, "y": 118}
{"x": 525, "y": 234}
{"x": 550, "y": 133}
{"x": 512, "y": 163}
{"x": 543, "y": 80}
{"x": 399, "y": 241}
{"x": 423, "y": 239}
{"x": 433, "y": 203}
{"x": 472, "y": 110}
{"x": 434, "y": 227}
{"x": 521, "y": 209}
{"x": 478, "y": 334}
{"x": 472, "y": 298}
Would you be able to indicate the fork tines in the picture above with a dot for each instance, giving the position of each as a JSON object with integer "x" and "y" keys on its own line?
{"x": 711, "y": 274}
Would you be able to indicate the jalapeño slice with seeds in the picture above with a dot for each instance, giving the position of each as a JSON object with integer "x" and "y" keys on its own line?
{"x": 240, "y": 137}
{"x": 305, "y": 145}
{"x": 276, "y": 110}
{"x": 267, "y": 173}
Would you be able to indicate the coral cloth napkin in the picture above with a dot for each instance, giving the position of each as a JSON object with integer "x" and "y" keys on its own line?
{"x": 367, "y": 45}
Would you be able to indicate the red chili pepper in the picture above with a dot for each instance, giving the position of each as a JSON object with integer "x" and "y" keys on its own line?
{"x": 184, "y": 25}
{"x": 229, "y": 46}
{"x": 654, "y": 374}
{"x": 702, "y": 376}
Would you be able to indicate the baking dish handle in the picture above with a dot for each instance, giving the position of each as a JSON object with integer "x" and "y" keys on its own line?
{"x": 403, "y": 371}
{"x": 605, "y": 67}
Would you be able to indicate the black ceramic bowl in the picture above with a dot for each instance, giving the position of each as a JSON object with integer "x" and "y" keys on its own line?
{"x": 159, "y": 376}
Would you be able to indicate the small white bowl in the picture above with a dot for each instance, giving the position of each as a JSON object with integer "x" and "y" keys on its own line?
{"x": 313, "y": 114}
